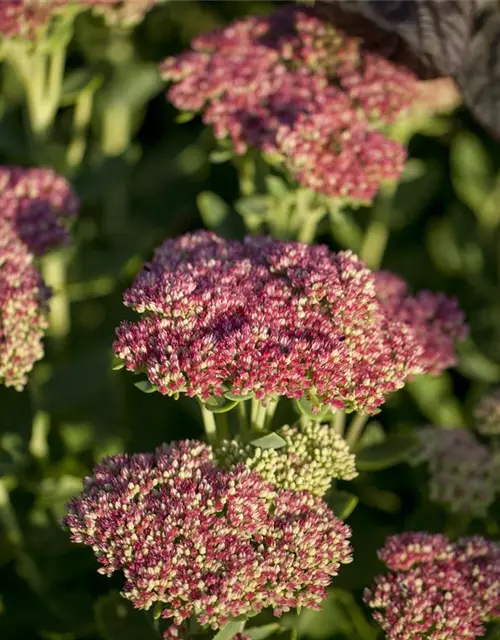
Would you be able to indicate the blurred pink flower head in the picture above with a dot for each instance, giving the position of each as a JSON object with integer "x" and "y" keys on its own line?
{"x": 436, "y": 589}
{"x": 434, "y": 319}
{"x": 23, "y": 299}
{"x": 35, "y": 207}
{"x": 301, "y": 90}
{"x": 463, "y": 472}
{"x": 203, "y": 541}
{"x": 268, "y": 318}
{"x": 38, "y": 204}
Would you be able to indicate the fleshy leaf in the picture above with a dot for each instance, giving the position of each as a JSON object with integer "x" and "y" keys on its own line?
{"x": 220, "y": 404}
{"x": 342, "y": 503}
{"x": 261, "y": 633}
{"x": 229, "y": 630}
{"x": 117, "y": 620}
{"x": 270, "y": 441}
{"x": 145, "y": 386}
{"x": 394, "y": 450}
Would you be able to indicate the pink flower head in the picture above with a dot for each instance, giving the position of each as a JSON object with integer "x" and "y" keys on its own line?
{"x": 264, "y": 317}
{"x": 26, "y": 19}
{"x": 434, "y": 319}
{"x": 436, "y": 589}
{"x": 23, "y": 309}
{"x": 298, "y": 88}
{"x": 206, "y": 542}
{"x": 37, "y": 203}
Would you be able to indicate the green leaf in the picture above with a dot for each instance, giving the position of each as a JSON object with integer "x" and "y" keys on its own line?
{"x": 185, "y": 116}
{"x": 394, "y": 450}
{"x": 117, "y": 364}
{"x": 474, "y": 364}
{"x": 229, "y": 630}
{"x": 117, "y": 620}
{"x": 435, "y": 398}
{"x": 253, "y": 206}
{"x": 277, "y": 187}
{"x": 263, "y": 632}
{"x": 472, "y": 171}
{"x": 145, "y": 386}
{"x": 306, "y": 407}
{"x": 213, "y": 209}
{"x": 233, "y": 396}
{"x": 79, "y": 81}
{"x": 270, "y": 441}
{"x": 342, "y": 503}
{"x": 218, "y": 157}
{"x": 219, "y": 404}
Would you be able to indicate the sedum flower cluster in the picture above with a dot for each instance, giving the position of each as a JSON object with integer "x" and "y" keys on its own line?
{"x": 31, "y": 19}
{"x": 314, "y": 454}
{"x": 303, "y": 92}
{"x": 487, "y": 414}
{"x": 35, "y": 205}
{"x": 198, "y": 540}
{"x": 434, "y": 319}
{"x": 436, "y": 589}
{"x": 464, "y": 474}
{"x": 268, "y": 318}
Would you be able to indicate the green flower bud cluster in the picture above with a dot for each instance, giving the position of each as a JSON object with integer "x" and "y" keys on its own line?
{"x": 314, "y": 455}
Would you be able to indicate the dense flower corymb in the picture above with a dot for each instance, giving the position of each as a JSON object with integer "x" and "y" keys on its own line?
{"x": 436, "y": 590}
{"x": 264, "y": 317}
{"x": 298, "y": 88}
{"x": 26, "y": 19}
{"x": 434, "y": 319}
{"x": 314, "y": 455}
{"x": 272, "y": 318}
{"x": 23, "y": 309}
{"x": 38, "y": 203}
{"x": 203, "y": 541}
{"x": 463, "y": 472}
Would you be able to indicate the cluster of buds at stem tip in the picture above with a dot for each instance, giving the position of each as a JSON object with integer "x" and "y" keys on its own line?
{"x": 195, "y": 540}
{"x": 487, "y": 414}
{"x": 303, "y": 92}
{"x": 312, "y": 456}
{"x": 268, "y": 318}
{"x": 436, "y": 589}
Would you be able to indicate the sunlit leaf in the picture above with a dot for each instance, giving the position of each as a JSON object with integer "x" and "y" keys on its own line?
{"x": 392, "y": 451}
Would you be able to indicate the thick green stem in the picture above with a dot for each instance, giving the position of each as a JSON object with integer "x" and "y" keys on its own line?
{"x": 338, "y": 422}
{"x": 54, "y": 274}
{"x": 242, "y": 417}
{"x": 116, "y": 133}
{"x": 209, "y": 424}
{"x": 259, "y": 421}
{"x": 377, "y": 233}
{"x": 355, "y": 429}
{"x": 81, "y": 119}
{"x": 270, "y": 411}
{"x": 246, "y": 174}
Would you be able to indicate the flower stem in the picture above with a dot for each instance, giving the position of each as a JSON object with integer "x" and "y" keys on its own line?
{"x": 355, "y": 429}
{"x": 209, "y": 424}
{"x": 338, "y": 422}
{"x": 54, "y": 274}
{"x": 377, "y": 233}
{"x": 270, "y": 411}
{"x": 82, "y": 115}
{"x": 242, "y": 417}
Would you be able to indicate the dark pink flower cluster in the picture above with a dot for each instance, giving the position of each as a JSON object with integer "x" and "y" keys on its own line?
{"x": 436, "y": 589}
{"x": 204, "y": 542}
{"x": 264, "y": 317}
{"x": 35, "y": 205}
{"x": 26, "y": 18}
{"x": 23, "y": 300}
{"x": 435, "y": 320}
{"x": 38, "y": 203}
{"x": 300, "y": 89}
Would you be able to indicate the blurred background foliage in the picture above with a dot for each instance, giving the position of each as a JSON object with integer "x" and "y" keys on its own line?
{"x": 142, "y": 176}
